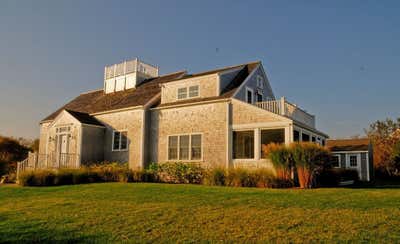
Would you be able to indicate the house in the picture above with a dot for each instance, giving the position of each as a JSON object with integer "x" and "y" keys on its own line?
{"x": 220, "y": 117}
{"x": 354, "y": 154}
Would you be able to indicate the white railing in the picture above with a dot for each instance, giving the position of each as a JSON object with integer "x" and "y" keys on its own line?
{"x": 285, "y": 108}
{"x": 48, "y": 161}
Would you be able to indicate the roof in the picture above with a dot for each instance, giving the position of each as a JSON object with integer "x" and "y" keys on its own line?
{"x": 84, "y": 118}
{"x": 98, "y": 101}
{"x": 228, "y": 91}
{"x": 348, "y": 144}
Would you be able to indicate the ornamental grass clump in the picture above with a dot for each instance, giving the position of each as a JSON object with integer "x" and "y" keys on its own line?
{"x": 215, "y": 177}
{"x": 310, "y": 159}
{"x": 282, "y": 159}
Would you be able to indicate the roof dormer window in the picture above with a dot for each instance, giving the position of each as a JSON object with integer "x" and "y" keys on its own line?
{"x": 194, "y": 91}
{"x": 185, "y": 92}
{"x": 182, "y": 93}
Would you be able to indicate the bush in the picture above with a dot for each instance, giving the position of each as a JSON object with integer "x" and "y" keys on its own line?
{"x": 282, "y": 159}
{"x": 332, "y": 177}
{"x": 215, "y": 177}
{"x": 37, "y": 178}
{"x": 178, "y": 173}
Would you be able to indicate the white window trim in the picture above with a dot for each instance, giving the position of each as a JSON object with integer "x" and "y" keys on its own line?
{"x": 198, "y": 91}
{"x": 187, "y": 92}
{"x": 256, "y": 140}
{"x": 190, "y": 147}
{"x": 339, "y": 160}
{"x": 177, "y": 93}
{"x": 259, "y": 79}
{"x": 127, "y": 141}
{"x": 252, "y": 94}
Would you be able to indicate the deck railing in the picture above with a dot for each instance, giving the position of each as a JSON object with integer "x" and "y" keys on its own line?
{"x": 48, "y": 161}
{"x": 285, "y": 108}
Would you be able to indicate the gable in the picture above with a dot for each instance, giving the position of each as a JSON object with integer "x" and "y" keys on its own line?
{"x": 253, "y": 82}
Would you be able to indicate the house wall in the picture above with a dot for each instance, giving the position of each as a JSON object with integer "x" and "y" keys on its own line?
{"x": 130, "y": 121}
{"x": 208, "y": 119}
{"x": 364, "y": 168}
{"x": 208, "y": 87}
{"x": 252, "y": 83}
{"x": 64, "y": 119}
{"x": 43, "y": 137}
{"x": 92, "y": 144}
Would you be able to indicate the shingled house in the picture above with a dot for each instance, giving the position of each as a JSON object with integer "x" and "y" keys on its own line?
{"x": 354, "y": 154}
{"x": 220, "y": 117}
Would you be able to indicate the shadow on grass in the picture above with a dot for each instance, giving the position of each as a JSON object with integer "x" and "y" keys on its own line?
{"x": 37, "y": 232}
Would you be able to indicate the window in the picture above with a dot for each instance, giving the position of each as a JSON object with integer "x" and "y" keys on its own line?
{"x": 271, "y": 136}
{"x": 243, "y": 144}
{"x": 120, "y": 141}
{"x": 193, "y": 91}
{"x": 196, "y": 147}
{"x": 182, "y": 93}
{"x": 172, "y": 148}
{"x": 185, "y": 147}
{"x": 296, "y": 135}
{"x": 313, "y": 139}
{"x": 305, "y": 137}
{"x": 335, "y": 161}
{"x": 353, "y": 161}
{"x": 259, "y": 97}
{"x": 260, "y": 82}
{"x": 249, "y": 95}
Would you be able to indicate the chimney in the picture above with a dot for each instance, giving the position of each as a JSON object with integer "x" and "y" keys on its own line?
{"x": 127, "y": 75}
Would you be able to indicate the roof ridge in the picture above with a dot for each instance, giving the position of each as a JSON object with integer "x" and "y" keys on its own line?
{"x": 91, "y": 91}
{"x": 226, "y": 67}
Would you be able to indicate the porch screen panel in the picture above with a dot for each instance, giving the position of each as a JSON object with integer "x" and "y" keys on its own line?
{"x": 271, "y": 136}
{"x": 196, "y": 147}
{"x": 296, "y": 135}
{"x": 243, "y": 144}
{"x": 124, "y": 140}
{"x": 184, "y": 147}
{"x": 116, "y": 140}
{"x": 173, "y": 148}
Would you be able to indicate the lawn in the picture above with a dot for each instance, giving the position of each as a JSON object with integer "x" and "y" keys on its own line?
{"x": 133, "y": 212}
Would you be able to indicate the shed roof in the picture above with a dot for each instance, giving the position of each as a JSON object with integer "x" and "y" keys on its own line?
{"x": 361, "y": 144}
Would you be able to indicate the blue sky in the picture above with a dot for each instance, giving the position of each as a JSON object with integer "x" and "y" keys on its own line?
{"x": 337, "y": 59}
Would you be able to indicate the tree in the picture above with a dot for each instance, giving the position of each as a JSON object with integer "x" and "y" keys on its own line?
{"x": 384, "y": 135}
{"x": 10, "y": 153}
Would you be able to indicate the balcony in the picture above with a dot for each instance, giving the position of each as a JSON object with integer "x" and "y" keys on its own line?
{"x": 290, "y": 110}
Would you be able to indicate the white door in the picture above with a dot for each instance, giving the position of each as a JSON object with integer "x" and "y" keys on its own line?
{"x": 63, "y": 150}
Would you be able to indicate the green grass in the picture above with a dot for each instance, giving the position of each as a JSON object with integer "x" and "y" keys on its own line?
{"x": 119, "y": 212}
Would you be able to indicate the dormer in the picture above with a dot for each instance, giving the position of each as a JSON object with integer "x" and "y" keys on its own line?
{"x": 127, "y": 75}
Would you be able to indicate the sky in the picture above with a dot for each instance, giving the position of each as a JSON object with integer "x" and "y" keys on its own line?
{"x": 338, "y": 59}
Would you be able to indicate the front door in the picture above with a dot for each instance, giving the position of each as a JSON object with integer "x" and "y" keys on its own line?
{"x": 63, "y": 150}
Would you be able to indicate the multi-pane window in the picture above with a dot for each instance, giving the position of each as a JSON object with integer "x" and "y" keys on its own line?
{"x": 172, "y": 148}
{"x": 243, "y": 144}
{"x": 182, "y": 93}
{"x": 353, "y": 161}
{"x": 185, "y": 147}
{"x": 120, "y": 140}
{"x": 271, "y": 136}
{"x": 193, "y": 91}
{"x": 335, "y": 161}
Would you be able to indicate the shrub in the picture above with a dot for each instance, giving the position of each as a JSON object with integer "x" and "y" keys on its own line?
{"x": 215, "y": 177}
{"x": 37, "y": 178}
{"x": 332, "y": 177}
{"x": 111, "y": 172}
{"x": 309, "y": 159}
{"x": 179, "y": 172}
{"x": 282, "y": 159}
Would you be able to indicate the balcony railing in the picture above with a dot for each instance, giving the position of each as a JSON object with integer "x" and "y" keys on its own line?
{"x": 285, "y": 108}
{"x": 48, "y": 161}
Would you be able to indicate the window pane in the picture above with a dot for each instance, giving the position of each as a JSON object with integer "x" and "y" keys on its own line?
{"x": 193, "y": 91}
{"x": 249, "y": 96}
{"x": 116, "y": 140}
{"x": 196, "y": 147}
{"x": 183, "y": 147}
{"x": 173, "y": 148}
{"x": 305, "y": 137}
{"x": 182, "y": 93}
{"x": 296, "y": 135}
{"x": 243, "y": 144}
{"x": 259, "y": 97}
{"x": 353, "y": 161}
{"x": 124, "y": 140}
{"x": 271, "y": 136}
{"x": 313, "y": 139}
{"x": 335, "y": 161}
